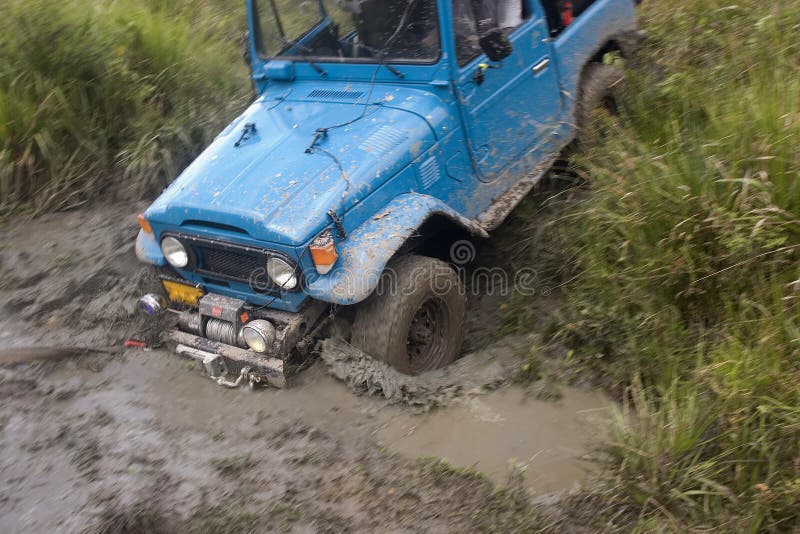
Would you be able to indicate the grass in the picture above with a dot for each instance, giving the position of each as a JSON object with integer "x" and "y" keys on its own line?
{"x": 236, "y": 519}
{"x": 111, "y": 96}
{"x": 500, "y": 508}
{"x": 679, "y": 266}
{"x": 439, "y": 470}
{"x": 681, "y": 271}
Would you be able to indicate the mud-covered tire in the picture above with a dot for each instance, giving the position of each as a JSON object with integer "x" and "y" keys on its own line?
{"x": 598, "y": 93}
{"x": 414, "y": 320}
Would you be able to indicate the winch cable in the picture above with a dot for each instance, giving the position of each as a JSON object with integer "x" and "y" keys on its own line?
{"x": 322, "y": 133}
{"x": 13, "y": 356}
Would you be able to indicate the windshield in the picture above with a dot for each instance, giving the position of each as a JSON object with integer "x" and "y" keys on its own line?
{"x": 348, "y": 30}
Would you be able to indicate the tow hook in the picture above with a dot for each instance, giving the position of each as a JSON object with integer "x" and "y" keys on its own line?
{"x": 245, "y": 373}
{"x": 216, "y": 369}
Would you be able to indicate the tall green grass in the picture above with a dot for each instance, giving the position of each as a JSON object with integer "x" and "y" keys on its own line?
{"x": 681, "y": 269}
{"x": 111, "y": 95}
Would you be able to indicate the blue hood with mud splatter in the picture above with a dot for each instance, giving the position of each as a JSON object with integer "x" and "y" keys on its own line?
{"x": 271, "y": 188}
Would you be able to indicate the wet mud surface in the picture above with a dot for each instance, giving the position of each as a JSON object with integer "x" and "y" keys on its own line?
{"x": 473, "y": 374}
{"x": 131, "y": 440}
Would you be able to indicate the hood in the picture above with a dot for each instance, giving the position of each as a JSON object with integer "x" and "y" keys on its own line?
{"x": 271, "y": 188}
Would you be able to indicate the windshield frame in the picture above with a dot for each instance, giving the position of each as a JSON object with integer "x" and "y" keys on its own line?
{"x": 258, "y": 42}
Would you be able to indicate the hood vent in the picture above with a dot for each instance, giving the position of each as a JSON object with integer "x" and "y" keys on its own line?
{"x": 383, "y": 140}
{"x": 429, "y": 172}
{"x": 326, "y": 94}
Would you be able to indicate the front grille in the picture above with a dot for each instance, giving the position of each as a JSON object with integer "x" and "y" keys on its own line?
{"x": 230, "y": 263}
{"x": 218, "y": 261}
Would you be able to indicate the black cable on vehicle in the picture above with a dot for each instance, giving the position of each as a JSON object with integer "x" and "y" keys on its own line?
{"x": 322, "y": 133}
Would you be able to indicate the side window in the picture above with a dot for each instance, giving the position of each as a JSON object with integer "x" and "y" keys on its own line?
{"x": 472, "y": 18}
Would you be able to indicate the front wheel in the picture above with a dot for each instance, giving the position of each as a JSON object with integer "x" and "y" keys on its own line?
{"x": 414, "y": 320}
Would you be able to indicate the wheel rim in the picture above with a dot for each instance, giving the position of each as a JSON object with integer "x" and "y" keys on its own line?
{"x": 426, "y": 341}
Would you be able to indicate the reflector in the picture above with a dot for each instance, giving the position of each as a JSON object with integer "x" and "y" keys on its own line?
{"x": 182, "y": 293}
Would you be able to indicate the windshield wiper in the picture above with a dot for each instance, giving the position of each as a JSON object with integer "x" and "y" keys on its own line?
{"x": 305, "y": 51}
{"x": 322, "y": 72}
{"x": 393, "y": 70}
{"x": 381, "y": 55}
{"x": 288, "y": 42}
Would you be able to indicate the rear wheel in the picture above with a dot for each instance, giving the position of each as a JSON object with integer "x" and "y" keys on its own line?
{"x": 597, "y": 112}
{"x": 414, "y": 319}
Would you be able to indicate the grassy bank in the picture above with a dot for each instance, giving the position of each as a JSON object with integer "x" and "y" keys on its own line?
{"x": 681, "y": 269}
{"x": 122, "y": 94}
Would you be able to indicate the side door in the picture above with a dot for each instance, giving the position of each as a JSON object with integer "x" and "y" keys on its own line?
{"x": 508, "y": 107}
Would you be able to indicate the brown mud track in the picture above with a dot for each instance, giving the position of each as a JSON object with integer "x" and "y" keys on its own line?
{"x": 470, "y": 375}
{"x": 139, "y": 441}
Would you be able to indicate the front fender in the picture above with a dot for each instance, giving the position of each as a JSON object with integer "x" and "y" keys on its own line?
{"x": 365, "y": 253}
{"x": 148, "y": 250}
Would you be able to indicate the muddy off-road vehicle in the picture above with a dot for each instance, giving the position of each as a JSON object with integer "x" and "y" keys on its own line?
{"x": 382, "y": 128}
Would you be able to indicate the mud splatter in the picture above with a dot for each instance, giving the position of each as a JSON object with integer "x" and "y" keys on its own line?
{"x": 471, "y": 374}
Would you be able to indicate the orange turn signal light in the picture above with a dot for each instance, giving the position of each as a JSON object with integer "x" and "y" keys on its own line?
{"x": 323, "y": 252}
{"x": 144, "y": 224}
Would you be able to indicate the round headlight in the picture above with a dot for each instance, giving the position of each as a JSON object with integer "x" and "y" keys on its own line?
{"x": 175, "y": 252}
{"x": 282, "y": 273}
{"x": 258, "y": 335}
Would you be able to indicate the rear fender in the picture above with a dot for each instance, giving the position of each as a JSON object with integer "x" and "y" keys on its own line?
{"x": 366, "y": 251}
{"x": 602, "y": 22}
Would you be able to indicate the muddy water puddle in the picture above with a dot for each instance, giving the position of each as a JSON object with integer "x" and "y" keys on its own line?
{"x": 548, "y": 440}
{"x": 505, "y": 429}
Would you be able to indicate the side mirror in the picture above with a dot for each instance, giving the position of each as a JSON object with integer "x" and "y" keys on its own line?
{"x": 245, "y": 42}
{"x": 496, "y": 45}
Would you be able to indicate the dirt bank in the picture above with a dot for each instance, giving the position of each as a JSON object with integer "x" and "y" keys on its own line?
{"x": 132, "y": 440}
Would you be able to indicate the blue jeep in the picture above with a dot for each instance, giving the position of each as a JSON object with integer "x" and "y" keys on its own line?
{"x": 380, "y": 126}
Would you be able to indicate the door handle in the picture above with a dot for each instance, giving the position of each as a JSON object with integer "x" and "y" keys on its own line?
{"x": 541, "y": 66}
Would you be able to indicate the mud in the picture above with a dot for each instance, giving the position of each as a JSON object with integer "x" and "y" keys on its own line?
{"x": 70, "y": 279}
{"x": 474, "y": 373}
{"x": 130, "y": 440}
{"x": 549, "y": 443}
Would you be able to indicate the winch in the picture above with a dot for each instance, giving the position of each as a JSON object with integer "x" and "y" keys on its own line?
{"x": 231, "y": 338}
{"x": 222, "y": 318}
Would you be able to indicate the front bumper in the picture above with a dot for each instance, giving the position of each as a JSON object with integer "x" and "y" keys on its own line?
{"x": 222, "y": 362}
{"x": 209, "y": 334}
